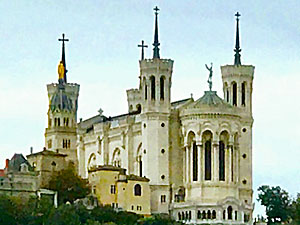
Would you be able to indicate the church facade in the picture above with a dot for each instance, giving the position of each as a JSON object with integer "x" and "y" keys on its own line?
{"x": 196, "y": 154}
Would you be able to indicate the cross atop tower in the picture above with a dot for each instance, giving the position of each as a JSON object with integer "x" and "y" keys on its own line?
{"x": 156, "y": 43}
{"x": 142, "y": 46}
{"x": 63, "y": 58}
{"x": 237, "y": 56}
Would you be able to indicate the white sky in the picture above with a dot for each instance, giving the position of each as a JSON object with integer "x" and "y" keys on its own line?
{"x": 102, "y": 56}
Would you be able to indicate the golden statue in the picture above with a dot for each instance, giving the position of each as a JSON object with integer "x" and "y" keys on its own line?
{"x": 61, "y": 71}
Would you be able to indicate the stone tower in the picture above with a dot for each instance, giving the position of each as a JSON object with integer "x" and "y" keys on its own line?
{"x": 60, "y": 135}
{"x": 237, "y": 86}
{"x": 155, "y": 87}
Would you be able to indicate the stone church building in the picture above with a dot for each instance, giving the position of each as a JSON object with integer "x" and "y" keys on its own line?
{"x": 195, "y": 154}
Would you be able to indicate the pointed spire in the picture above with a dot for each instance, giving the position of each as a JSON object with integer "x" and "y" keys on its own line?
{"x": 63, "y": 58}
{"x": 156, "y": 43}
{"x": 237, "y": 55}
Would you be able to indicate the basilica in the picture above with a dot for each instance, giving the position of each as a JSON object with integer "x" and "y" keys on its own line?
{"x": 191, "y": 158}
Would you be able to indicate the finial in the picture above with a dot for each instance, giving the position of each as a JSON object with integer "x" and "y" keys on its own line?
{"x": 100, "y": 111}
{"x": 237, "y": 56}
{"x": 191, "y": 95}
{"x": 156, "y": 43}
{"x": 143, "y": 46}
{"x": 209, "y": 81}
{"x": 63, "y": 58}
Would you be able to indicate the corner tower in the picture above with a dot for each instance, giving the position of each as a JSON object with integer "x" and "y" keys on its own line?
{"x": 237, "y": 79}
{"x": 237, "y": 87}
{"x": 60, "y": 135}
{"x": 155, "y": 89}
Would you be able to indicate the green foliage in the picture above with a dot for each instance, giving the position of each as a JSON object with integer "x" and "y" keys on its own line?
{"x": 277, "y": 203}
{"x": 158, "y": 220}
{"x": 69, "y": 185}
{"x": 295, "y": 210}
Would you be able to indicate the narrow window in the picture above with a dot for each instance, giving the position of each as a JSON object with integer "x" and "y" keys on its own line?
{"x": 243, "y": 94}
{"x": 162, "y": 88}
{"x": 207, "y": 160}
{"x": 69, "y": 143}
{"x": 55, "y": 121}
{"x": 67, "y": 122}
{"x": 208, "y": 214}
{"x": 137, "y": 190}
{"x": 224, "y": 215}
{"x": 214, "y": 214}
{"x": 162, "y": 198}
{"x": 146, "y": 90}
{"x": 152, "y": 79}
{"x": 140, "y": 166}
{"x": 64, "y": 121}
{"x": 235, "y": 215}
{"x": 221, "y": 161}
{"x": 195, "y": 162}
{"x": 231, "y": 164}
{"x": 229, "y": 211}
{"x": 113, "y": 189}
{"x": 199, "y": 214}
{"x": 58, "y": 122}
{"x": 63, "y": 143}
{"x": 203, "y": 215}
{"x": 234, "y": 94}
{"x": 179, "y": 216}
{"x": 182, "y": 216}
{"x": 227, "y": 95}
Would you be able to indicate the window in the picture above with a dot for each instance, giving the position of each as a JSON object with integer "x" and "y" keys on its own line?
{"x": 195, "y": 162}
{"x": 113, "y": 189}
{"x": 163, "y": 198}
{"x": 179, "y": 216}
{"x": 152, "y": 79}
{"x": 162, "y": 86}
{"x": 243, "y": 94}
{"x": 199, "y": 214}
{"x": 221, "y": 161}
{"x": 214, "y": 214}
{"x": 207, "y": 160}
{"x": 229, "y": 211}
{"x": 224, "y": 214}
{"x": 58, "y": 122}
{"x": 140, "y": 162}
{"x": 49, "y": 122}
{"x": 234, "y": 94}
{"x": 137, "y": 190}
{"x": 69, "y": 143}
{"x": 203, "y": 215}
{"x": 227, "y": 95}
{"x": 235, "y": 215}
{"x": 55, "y": 121}
{"x": 209, "y": 215}
{"x": 146, "y": 90}
{"x": 94, "y": 190}
{"x": 132, "y": 207}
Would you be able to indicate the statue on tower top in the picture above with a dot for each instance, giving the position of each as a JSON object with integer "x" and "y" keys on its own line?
{"x": 209, "y": 81}
{"x": 61, "y": 72}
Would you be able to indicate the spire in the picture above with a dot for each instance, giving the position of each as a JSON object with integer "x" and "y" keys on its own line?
{"x": 237, "y": 55}
{"x": 63, "y": 58}
{"x": 156, "y": 43}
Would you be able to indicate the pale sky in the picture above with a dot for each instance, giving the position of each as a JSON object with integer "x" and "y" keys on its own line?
{"x": 102, "y": 56}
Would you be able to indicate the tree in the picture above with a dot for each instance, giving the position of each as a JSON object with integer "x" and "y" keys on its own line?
{"x": 295, "y": 210}
{"x": 69, "y": 185}
{"x": 277, "y": 203}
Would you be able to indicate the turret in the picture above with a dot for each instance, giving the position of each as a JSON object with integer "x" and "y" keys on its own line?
{"x": 237, "y": 79}
{"x": 60, "y": 135}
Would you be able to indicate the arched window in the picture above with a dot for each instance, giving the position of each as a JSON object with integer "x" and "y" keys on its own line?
{"x": 244, "y": 94}
{"x": 229, "y": 211}
{"x": 146, "y": 91}
{"x": 234, "y": 94}
{"x": 208, "y": 160}
{"x": 179, "y": 216}
{"x": 208, "y": 214}
{"x": 138, "y": 108}
{"x": 199, "y": 214}
{"x": 224, "y": 214}
{"x": 140, "y": 166}
{"x": 137, "y": 190}
{"x": 182, "y": 216}
{"x": 162, "y": 88}
{"x": 221, "y": 161}
{"x": 58, "y": 122}
{"x": 55, "y": 121}
{"x": 235, "y": 215}
{"x": 203, "y": 215}
{"x": 214, "y": 214}
{"x": 227, "y": 95}
{"x": 152, "y": 79}
{"x": 195, "y": 162}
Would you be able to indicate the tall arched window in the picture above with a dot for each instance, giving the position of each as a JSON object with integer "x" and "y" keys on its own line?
{"x": 137, "y": 190}
{"x": 208, "y": 214}
{"x": 244, "y": 94}
{"x": 195, "y": 162}
{"x": 208, "y": 160}
{"x": 58, "y": 122}
{"x": 162, "y": 88}
{"x": 227, "y": 95}
{"x": 152, "y": 79}
{"x": 221, "y": 161}
{"x": 214, "y": 214}
{"x": 234, "y": 94}
{"x": 229, "y": 211}
{"x": 140, "y": 166}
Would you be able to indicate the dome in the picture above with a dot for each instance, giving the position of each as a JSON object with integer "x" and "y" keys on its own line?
{"x": 61, "y": 101}
{"x": 210, "y": 98}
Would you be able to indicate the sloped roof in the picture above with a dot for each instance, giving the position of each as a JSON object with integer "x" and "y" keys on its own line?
{"x": 47, "y": 152}
{"x": 210, "y": 98}
{"x": 16, "y": 161}
{"x": 61, "y": 101}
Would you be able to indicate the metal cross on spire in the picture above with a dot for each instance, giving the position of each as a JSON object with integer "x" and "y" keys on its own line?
{"x": 156, "y": 43}
{"x": 237, "y": 56}
{"x": 142, "y": 46}
{"x": 63, "y": 58}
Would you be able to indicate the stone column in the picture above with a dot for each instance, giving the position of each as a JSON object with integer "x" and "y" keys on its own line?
{"x": 215, "y": 162}
{"x": 199, "y": 162}
{"x": 187, "y": 156}
{"x": 191, "y": 162}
